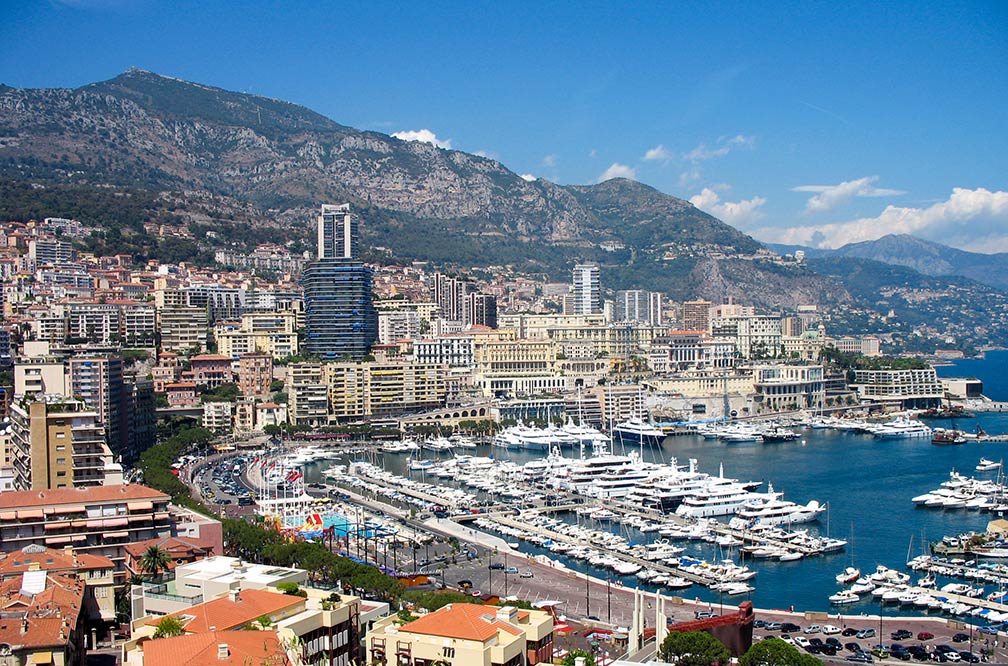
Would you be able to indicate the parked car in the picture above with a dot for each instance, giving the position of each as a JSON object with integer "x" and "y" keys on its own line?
{"x": 789, "y": 627}
{"x": 866, "y": 633}
{"x": 829, "y": 629}
{"x": 925, "y": 636}
{"x": 901, "y": 634}
{"x": 527, "y": 574}
{"x": 960, "y": 638}
{"x": 849, "y": 631}
{"x": 812, "y": 629}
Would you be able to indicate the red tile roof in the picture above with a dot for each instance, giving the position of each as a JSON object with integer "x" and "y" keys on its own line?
{"x": 244, "y": 647}
{"x": 51, "y": 559}
{"x": 14, "y": 499}
{"x": 471, "y": 622}
{"x": 43, "y": 624}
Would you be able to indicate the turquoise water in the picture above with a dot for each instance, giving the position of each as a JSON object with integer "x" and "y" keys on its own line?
{"x": 867, "y": 483}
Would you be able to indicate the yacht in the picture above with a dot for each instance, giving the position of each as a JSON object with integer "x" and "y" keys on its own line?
{"x": 902, "y": 428}
{"x": 636, "y": 431}
{"x": 848, "y": 575}
{"x": 776, "y": 511}
{"x": 987, "y": 465}
{"x": 844, "y": 597}
{"x": 719, "y": 501}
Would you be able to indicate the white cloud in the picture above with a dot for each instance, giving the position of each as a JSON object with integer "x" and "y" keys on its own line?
{"x": 829, "y": 197}
{"x": 529, "y": 177}
{"x": 723, "y": 146}
{"x": 617, "y": 170}
{"x": 970, "y": 219}
{"x": 424, "y": 136}
{"x": 732, "y": 212}
{"x": 658, "y": 153}
{"x": 549, "y": 160}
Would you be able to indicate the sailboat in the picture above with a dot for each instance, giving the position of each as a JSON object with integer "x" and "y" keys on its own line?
{"x": 851, "y": 573}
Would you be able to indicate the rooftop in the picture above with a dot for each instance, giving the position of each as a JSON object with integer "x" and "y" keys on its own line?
{"x": 248, "y": 606}
{"x": 471, "y": 622}
{"x": 242, "y": 647}
{"x": 15, "y": 499}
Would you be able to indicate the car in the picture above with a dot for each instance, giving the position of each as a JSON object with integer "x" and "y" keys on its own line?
{"x": 511, "y": 570}
{"x": 901, "y": 634}
{"x": 813, "y": 629}
{"x": 812, "y": 648}
{"x": 789, "y": 628}
{"x": 944, "y": 648}
{"x": 496, "y": 565}
{"x": 960, "y": 638}
{"x": 594, "y": 618}
{"x": 989, "y": 630}
{"x": 902, "y": 654}
{"x": 834, "y": 642}
{"x": 801, "y": 641}
{"x": 969, "y": 657}
{"x": 758, "y": 624}
{"x": 829, "y": 650}
{"x": 925, "y": 636}
{"x": 852, "y": 646}
{"x": 771, "y": 626}
{"x": 816, "y": 641}
{"x": 703, "y": 615}
{"x": 526, "y": 574}
{"x": 861, "y": 658}
{"x": 866, "y": 633}
{"x": 787, "y": 639}
{"x": 849, "y": 631}
{"x": 829, "y": 629}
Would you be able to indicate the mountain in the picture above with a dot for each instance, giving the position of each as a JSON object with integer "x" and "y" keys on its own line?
{"x": 926, "y": 257}
{"x": 191, "y": 142}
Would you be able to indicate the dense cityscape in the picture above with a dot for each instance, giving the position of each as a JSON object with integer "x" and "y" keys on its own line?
{"x": 592, "y": 335}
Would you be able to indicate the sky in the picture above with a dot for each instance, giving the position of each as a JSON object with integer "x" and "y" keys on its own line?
{"x": 816, "y": 123}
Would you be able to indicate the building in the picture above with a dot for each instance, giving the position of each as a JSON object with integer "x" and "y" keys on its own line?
{"x": 696, "y": 315}
{"x": 656, "y": 309}
{"x": 755, "y": 336}
{"x": 307, "y": 394}
{"x": 632, "y": 305}
{"x": 223, "y": 648}
{"x": 482, "y": 310}
{"x": 255, "y": 374}
{"x": 142, "y": 418}
{"x": 100, "y": 520}
{"x": 682, "y": 351}
{"x": 451, "y": 294}
{"x": 586, "y": 289}
{"x": 337, "y": 232}
{"x": 180, "y": 550}
{"x": 918, "y": 388}
{"x": 181, "y": 394}
{"x": 98, "y": 381}
{"x": 464, "y": 635}
{"x": 340, "y": 317}
{"x": 58, "y": 442}
{"x": 96, "y": 572}
{"x": 41, "y": 620}
{"x": 788, "y": 388}
{"x": 865, "y": 345}
{"x": 218, "y": 416}
{"x": 209, "y": 370}
{"x": 183, "y": 329}
{"x": 273, "y": 333}
{"x": 395, "y": 325}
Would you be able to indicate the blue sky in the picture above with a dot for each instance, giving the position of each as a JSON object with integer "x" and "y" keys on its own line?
{"x": 820, "y": 121}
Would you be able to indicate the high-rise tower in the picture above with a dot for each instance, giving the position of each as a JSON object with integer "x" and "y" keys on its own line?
{"x": 587, "y": 290}
{"x": 339, "y": 309}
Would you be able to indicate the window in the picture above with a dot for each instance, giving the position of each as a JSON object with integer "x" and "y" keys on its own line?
{"x": 447, "y": 652}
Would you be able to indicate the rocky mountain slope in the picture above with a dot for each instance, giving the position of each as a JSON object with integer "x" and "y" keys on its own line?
{"x": 155, "y": 133}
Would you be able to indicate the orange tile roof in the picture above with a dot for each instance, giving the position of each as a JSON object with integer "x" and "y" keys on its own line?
{"x": 13, "y": 499}
{"x": 174, "y": 546}
{"x": 470, "y": 622}
{"x": 226, "y": 614}
{"x": 51, "y": 559}
{"x": 43, "y": 625}
{"x": 244, "y": 647}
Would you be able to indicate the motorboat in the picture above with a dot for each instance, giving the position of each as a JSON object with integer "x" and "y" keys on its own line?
{"x": 848, "y": 575}
{"x": 987, "y": 465}
{"x": 844, "y": 597}
{"x": 637, "y": 431}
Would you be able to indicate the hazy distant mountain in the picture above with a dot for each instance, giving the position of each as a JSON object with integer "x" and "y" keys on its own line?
{"x": 153, "y": 132}
{"x": 924, "y": 256}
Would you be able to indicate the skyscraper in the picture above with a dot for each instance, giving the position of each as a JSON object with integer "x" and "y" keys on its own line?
{"x": 339, "y": 310}
{"x": 586, "y": 288}
{"x": 337, "y": 232}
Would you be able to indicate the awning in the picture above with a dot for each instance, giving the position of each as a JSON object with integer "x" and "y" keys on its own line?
{"x": 140, "y": 506}
{"x": 138, "y": 519}
{"x": 30, "y": 513}
{"x": 57, "y": 540}
{"x": 115, "y": 522}
{"x": 115, "y": 535}
{"x": 57, "y": 525}
{"x": 8, "y": 515}
{"x": 78, "y": 537}
{"x": 94, "y": 523}
{"x": 70, "y": 508}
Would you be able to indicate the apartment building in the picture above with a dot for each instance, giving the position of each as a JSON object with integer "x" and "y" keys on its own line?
{"x": 272, "y": 333}
{"x": 464, "y": 635}
{"x": 788, "y": 387}
{"x": 183, "y": 328}
{"x": 910, "y": 389}
{"x": 58, "y": 442}
{"x": 255, "y": 374}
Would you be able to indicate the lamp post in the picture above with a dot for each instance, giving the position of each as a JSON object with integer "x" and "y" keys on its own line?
{"x": 505, "y": 573}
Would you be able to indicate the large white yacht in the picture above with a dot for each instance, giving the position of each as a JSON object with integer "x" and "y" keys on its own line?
{"x": 902, "y": 428}
{"x": 721, "y": 500}
{"x": 774, "y": 510}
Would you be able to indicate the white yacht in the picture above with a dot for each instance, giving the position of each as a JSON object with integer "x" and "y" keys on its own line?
{"x": 987, "y": 465}
{"x": 902, "y": 428}
{"x": 773, "y": 510}
{"x": 719, "y": 501}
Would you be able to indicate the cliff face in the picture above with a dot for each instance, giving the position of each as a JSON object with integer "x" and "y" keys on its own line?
{"x": 145, "y": 130}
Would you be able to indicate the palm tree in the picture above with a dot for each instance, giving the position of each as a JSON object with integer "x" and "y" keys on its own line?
{"x": 168, "y": 626}
{"x": 154, "y": 560}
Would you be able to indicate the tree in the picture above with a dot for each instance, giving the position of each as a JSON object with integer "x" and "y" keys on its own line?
{"x": 168, "y": 626}
{"x": 154, "y": 560}
{"x": 572, "y": 656}
{"x": 775, "y": 652}
{"x": 693, "y": 648}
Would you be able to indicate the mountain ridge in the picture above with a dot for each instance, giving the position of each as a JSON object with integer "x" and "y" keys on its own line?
{"x": 926, "y": 257}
